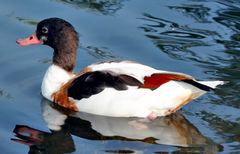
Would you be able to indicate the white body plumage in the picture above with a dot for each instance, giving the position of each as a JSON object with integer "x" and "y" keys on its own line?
{"x": 133, "y": 102}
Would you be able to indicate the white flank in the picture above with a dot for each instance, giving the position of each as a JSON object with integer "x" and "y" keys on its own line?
{"x": 139, "y": 102}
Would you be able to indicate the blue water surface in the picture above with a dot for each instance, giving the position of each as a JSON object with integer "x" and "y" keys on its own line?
{"x": 196, "y": 37}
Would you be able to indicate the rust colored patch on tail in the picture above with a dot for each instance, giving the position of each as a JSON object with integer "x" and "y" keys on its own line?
{"x": 61, "y": 96}
{"x": 156, "y": 80}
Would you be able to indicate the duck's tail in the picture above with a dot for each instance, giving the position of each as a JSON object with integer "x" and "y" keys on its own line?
{"x": 205, "y": 85}
{"x": 212, "y": 84}
{"x": 202, "y": 88}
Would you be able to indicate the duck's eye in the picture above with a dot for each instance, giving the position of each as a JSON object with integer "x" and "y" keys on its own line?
{"x": 45, "y": 30}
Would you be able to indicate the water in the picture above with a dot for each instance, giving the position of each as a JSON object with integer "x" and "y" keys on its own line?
{"x": 197, "y": 37}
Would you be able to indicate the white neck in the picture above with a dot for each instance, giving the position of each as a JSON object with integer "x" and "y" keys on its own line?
{"x": 54, "y": 78}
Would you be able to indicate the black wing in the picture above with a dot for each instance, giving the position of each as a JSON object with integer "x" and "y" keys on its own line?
{"x": 92, "y": 83}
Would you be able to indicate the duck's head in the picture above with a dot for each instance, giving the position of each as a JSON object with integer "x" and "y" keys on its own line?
{"x": 61, "y": 36}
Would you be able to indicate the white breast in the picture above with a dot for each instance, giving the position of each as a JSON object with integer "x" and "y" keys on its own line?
{"x": 53, "y": 79}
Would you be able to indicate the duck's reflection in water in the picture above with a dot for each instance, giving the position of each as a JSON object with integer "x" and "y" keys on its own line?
{"x": 174, "y": 130}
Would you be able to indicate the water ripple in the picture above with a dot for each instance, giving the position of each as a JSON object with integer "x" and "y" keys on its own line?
{"x": 106, "y": 7}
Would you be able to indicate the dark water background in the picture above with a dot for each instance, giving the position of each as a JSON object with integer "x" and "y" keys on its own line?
{"x": 197, "y": 37}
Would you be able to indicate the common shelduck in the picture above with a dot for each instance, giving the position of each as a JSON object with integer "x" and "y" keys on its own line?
{"x": 110, "y": 88}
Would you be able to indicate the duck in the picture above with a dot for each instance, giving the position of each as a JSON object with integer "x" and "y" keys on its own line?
{"x": 115, "y": 88}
